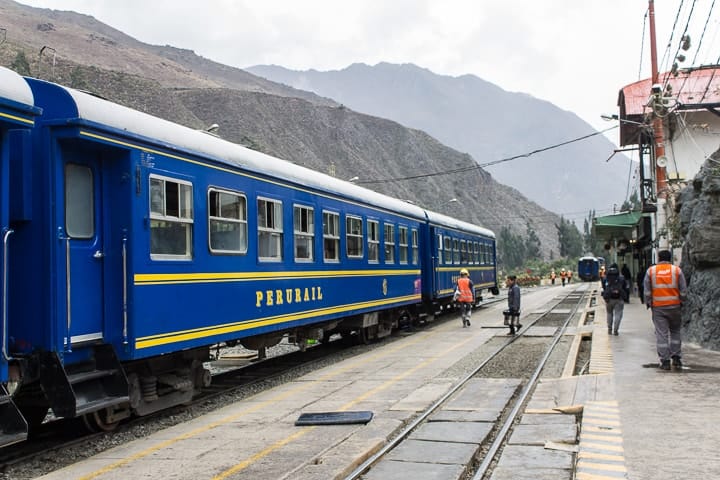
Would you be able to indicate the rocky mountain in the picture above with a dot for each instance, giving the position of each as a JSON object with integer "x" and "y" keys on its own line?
{"x": 491, "y": 124}
{"x": 296, "y": 125}
{"x": 699, "y": 223}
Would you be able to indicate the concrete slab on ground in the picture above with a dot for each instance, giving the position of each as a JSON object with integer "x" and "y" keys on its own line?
{"x": 391, "y": 470}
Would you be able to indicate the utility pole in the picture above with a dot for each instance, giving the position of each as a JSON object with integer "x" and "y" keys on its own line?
{"x": 659, "y": 136}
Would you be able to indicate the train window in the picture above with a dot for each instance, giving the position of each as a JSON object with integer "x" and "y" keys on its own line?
{"x": 304, "y": 230}
{"x": 415, "y": 256}
{"x": 476, "y": 255}
{"x": 227, "y": 217}
{"x": 483, "y": 253}
{"x": 448, "y": 251}
{"x": 79, "y": 201}
{"x": 389, "y": 243}
{"x": 403, "y": 244}
{"x": 331, "y": 237}
{"x": 440, "y": 248}
{"x": 373, "y": 241}
{"x": 456, "y": 251}
{"x": 270, "y": 229}
{"x": 171, "y": 219}
{"x": 354, "y": 237}
{"x": 463, "y": 252}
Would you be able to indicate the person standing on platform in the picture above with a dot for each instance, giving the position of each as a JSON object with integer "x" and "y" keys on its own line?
{"x": 465, "y": 296}
{"x": 512, "y": 314}
{"x": 614, "y": 293}
{"x": 552, "y": 277}
{"x": 665, "y": 289}
{"x": 641, "y": 284}
{"x": 563, "y": 275}
{"x": 625, "y": 271}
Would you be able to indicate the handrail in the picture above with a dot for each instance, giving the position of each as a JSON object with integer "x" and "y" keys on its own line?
{"x": 68, "y": 286}
{"x": 125, "y": 291}
{"x": 6, "y": 235}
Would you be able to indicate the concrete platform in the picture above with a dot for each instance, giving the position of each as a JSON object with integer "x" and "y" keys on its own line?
{"x": 626, "y": 419}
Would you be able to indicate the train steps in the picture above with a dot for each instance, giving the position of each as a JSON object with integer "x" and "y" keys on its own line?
{"x": 85, "y": 388}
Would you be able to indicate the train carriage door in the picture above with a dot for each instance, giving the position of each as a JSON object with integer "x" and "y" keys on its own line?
{"x": 83, "y": 250}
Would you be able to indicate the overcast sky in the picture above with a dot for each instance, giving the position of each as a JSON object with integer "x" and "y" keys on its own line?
{"x": 576, "y": 54}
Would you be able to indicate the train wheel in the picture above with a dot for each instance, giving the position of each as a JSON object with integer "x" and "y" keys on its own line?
{"x": 98, "y": 421}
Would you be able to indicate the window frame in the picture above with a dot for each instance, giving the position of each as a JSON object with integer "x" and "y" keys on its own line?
{"x": 243, "y": 222}
{"x": 389, "y": 245}
{"x": 331, "y": 236}
{"x": 275, "y": 231}
{"x": 304, "y": 234}
{"x": 415, "y": 238}
{"x": 354, "y": 238}
{"x": 188, "y": 222}
{"x": 373, "y": 240}
{"x": 403, "y": 247}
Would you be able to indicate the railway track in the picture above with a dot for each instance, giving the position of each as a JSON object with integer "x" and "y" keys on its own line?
{"x": 558, "y": 316}
{"x": 58, "y": 436}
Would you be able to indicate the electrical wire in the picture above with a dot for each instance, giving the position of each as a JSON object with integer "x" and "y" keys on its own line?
{"x": 488, "y": 164}
{"x": 666, "y": 80}
{"x": 697, "y": 52}
{"x": 642, "y": 43}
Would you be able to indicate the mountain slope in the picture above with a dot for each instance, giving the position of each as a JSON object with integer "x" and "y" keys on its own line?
{"x": 478, "y": 117}
{"x": 298, "y": 126}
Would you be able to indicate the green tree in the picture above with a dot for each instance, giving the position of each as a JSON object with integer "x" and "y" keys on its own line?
{"x": 571, "y": 243}
{"x": 632, "y": 204}
{"x": 532, "y": 244}
{"x": 21, "y": 64}
{"x": 511, "y": 249}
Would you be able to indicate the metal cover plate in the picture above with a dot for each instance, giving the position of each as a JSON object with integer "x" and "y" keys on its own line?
{"x": 334, "y": 418}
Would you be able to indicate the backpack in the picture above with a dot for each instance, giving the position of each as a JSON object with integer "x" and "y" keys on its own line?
{"x": 615, "y": 288}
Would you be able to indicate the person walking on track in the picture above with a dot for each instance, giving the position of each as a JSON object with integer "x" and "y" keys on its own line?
{"x": 512, "y": 314}
{"x": 465, "y": 296}
{"x": 665, "y": 289}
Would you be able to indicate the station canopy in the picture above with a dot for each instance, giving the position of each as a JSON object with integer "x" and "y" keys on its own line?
{"x": 617, "y": 226}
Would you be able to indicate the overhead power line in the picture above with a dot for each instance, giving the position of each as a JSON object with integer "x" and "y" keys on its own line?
{"x": 483, "y": 165}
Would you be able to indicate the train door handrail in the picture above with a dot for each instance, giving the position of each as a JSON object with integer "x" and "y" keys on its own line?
{"x": 6, "y": 236}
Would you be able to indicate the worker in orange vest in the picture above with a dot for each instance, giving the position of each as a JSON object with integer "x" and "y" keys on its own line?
{"x": 665, "y": 289}
{"x": 465, "y": 296}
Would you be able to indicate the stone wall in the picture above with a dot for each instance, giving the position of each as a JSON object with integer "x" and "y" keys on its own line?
{"x": 699, "y": 217}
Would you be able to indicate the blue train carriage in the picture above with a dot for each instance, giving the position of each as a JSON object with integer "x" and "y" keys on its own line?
{"x": 455, "y": 245}
{"x": 589, "y": 269}
{"x": 17, "y": 117}
{"x": 148, "y": 242}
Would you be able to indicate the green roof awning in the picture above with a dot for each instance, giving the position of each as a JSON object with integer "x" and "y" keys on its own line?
{"x": 616, "y": 226}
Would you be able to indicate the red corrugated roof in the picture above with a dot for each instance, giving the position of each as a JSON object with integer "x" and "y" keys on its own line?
{"x": 690, "y": 87}
{"x": 695, "y": 89}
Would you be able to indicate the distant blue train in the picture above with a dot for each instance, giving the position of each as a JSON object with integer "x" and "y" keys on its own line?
{"x": 131, "y": 245}
{"x": 589, "y": 269}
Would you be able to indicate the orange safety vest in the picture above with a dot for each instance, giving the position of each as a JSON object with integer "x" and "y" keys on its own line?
{"x": 664, "y": 282}
{"x": 466, "y": 294}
